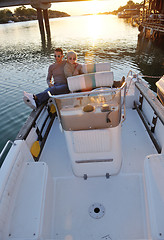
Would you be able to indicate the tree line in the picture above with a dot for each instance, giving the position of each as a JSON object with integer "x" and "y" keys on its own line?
{"x": 130, "y": 5}
{"x": 26, "y": 14}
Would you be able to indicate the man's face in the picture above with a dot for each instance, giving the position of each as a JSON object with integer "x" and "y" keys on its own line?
{"x": 58, "y": 57}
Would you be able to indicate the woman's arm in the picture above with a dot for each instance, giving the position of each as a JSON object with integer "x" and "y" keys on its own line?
{"x": 78, "y": 69}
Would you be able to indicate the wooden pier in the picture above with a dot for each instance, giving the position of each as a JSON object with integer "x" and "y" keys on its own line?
{"x": 151, "y": 22}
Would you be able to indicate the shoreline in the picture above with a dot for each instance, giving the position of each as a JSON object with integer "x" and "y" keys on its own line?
{"x": 8, "y": 17}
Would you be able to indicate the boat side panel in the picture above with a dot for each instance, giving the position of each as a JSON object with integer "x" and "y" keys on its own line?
{"x": 10, "y": 177}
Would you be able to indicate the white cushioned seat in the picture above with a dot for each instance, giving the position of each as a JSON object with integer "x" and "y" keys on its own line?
{"x": 96, "y": 67}
{"x": 87, "y": 82}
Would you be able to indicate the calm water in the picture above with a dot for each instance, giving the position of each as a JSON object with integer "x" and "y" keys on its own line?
{"x": 24, "y": 60}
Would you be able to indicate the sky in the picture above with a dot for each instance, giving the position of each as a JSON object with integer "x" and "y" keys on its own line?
{"x": 88, "y": 7}
{"x": 85, "y": 7}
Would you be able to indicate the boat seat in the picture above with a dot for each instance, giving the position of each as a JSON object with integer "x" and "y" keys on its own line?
{"x": 33, "y": 216}
{"x": 91, "y": 123}
{"x": 87, "y": 82}
{"x": 96, "y": 67}
{"x": 154, "y": 179}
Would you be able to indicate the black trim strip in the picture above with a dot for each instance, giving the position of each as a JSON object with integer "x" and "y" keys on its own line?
{"x": 95, "y": 161}
{"x": 46, "y": 135}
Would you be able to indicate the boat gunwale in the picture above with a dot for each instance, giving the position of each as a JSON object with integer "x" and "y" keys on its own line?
{"x": 152, "y": 100}
{"x": 30, "y": 122}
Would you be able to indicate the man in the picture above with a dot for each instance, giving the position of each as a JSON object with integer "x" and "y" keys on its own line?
{"x": 56, "y": 70}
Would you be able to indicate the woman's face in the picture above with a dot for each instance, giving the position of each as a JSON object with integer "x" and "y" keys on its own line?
{"x": 71, "y": 59}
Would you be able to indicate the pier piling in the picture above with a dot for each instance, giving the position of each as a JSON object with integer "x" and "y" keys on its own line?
{"x": 42, "y": 13}
{"x": 47, "y": 24}
{"x": 41, "y": 24}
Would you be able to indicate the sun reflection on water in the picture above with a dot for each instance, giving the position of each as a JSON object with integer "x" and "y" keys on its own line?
{"x": 94, "y": 28}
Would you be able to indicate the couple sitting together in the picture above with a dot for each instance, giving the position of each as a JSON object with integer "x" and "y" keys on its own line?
{"x": 60, "y": 71}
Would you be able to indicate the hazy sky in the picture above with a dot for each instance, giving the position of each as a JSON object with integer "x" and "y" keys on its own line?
{"x": 94, "y": 6}
{"x": 85, "y": 7}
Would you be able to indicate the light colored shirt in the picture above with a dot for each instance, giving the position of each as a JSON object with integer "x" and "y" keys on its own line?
{"x": 70, "y": 68}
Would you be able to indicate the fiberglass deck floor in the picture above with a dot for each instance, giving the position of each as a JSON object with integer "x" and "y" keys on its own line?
{"x": 136, "y": 145}
{"x": 122, "y": 196}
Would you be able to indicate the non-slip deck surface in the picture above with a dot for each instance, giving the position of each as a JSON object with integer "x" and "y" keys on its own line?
{"x": 122, "y": 196}
{"x": 123, "y": 206}
{"x": 136, "y": 145}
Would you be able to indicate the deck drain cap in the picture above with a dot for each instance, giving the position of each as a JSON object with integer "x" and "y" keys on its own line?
{"x": 96, "y": 210}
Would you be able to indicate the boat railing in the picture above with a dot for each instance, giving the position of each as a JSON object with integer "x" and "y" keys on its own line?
{"x": 5, "y": 148}
{"x": 148, "y": 103}
{"x": 35, "y": 129}
{"x": 148, "y": 107}
{"x": 129, "y": 79}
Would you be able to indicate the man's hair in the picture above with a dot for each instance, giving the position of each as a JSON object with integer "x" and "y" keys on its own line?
{"x": 59, "y": 50}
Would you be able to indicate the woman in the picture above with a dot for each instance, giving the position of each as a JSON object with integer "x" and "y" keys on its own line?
{"x": 71, "y": 67}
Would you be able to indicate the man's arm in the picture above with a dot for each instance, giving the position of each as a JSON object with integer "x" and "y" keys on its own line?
{"x": 49, "y": 76}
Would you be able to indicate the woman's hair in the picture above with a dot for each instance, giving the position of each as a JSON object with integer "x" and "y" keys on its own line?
{"x": 71, "y": 53}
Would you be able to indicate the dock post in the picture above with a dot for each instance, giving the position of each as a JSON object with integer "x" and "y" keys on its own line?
{"x": 47, "y": 24}
{"x": 41, "y": 25}
{"x": 42, "y": 12}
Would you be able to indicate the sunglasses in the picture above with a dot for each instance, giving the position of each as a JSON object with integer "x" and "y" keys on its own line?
{"x": 71, "y": 58}
{"x": 58, "y": 56}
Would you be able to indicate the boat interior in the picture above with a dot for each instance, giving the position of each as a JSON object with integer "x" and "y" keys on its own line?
{"x": 88, "y": 164}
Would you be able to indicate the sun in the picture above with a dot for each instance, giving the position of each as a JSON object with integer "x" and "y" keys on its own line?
{"x": 95, "y": 6}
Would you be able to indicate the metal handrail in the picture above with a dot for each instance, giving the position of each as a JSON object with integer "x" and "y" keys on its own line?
{"x": 123, "y": 103}
{"x": 152, "y": 100}
{"x": 5, "y": 147}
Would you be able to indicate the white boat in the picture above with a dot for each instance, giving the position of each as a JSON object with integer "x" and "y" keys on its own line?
{"x": 94, "y": 170}
{"x": 128, "y": 13}
{"x": 160, "y": 89}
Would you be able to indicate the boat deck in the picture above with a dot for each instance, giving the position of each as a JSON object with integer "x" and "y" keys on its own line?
{"x": 134, "y": 137}
{"x": 121, "y": 196}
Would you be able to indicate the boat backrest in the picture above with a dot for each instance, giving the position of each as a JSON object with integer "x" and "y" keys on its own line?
{"x": 96, "y": 67}
{"x": 89, "y": 81}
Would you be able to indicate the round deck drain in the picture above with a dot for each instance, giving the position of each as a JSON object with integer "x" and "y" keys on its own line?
{"x": 96, "y": 210}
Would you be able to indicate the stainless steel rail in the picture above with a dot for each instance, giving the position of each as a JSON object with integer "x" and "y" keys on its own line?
{"x": 5, "y": 147}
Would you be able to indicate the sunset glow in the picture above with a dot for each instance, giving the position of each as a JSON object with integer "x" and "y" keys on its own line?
{"x": 89, "y": 7}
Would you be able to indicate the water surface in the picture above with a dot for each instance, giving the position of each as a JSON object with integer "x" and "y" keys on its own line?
{"x": 24, "y": 59}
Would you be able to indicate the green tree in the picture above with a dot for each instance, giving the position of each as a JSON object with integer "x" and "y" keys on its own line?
{"x": 31, "y": 12}
{"x": 5, "y": 13}
{"x": 130, "y": 4}
{"x": 20, "y": 11}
